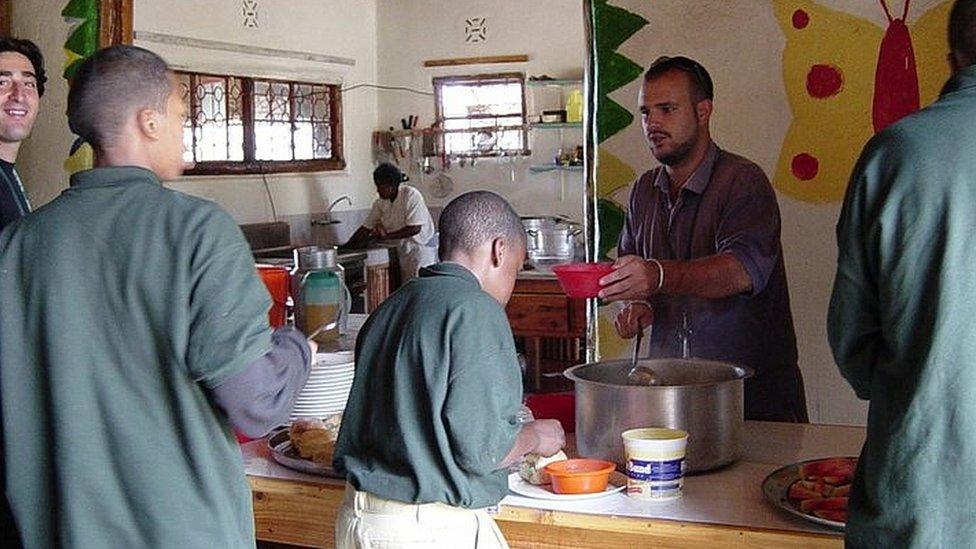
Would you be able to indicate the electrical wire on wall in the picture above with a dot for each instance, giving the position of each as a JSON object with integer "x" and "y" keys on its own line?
{"x": 267, "y": 190}
{"x": 385, "y": 87}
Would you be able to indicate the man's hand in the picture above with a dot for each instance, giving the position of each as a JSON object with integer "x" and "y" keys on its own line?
{"x": 551, "y": 437}
{"x": 379, "y": 231}
{"x": 315, "y": 348}
{"x": 632, "y": 278}
{"x": 634, "y": 318}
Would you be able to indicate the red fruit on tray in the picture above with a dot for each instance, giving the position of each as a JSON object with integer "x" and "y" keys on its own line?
{"x": 836, "y": 515}
{"x": 835, "y": 467}
{"x": 805, "y": 489}
{"x": 819, "y": 504}
{"x": 838, "y": 481}
{"x": 839, "y": 491}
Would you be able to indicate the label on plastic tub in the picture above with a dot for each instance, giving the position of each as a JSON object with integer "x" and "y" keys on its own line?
{"x": 655, "y": 479}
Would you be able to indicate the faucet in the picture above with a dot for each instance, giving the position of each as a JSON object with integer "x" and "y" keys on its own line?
{"x": 328, "y": 212}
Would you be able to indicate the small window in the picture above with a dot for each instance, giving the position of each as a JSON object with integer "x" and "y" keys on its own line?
{"x": 482, "y": 115}
{"x": 249, "y": 125}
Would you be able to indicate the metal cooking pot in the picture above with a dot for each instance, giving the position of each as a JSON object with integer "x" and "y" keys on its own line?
{"x": 705, "y": 398}
{"x": 557, "y": 242}
{"x": 545, "y": 221}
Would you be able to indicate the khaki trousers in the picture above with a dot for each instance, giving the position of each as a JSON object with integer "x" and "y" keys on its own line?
{"x": 366, "y": 521}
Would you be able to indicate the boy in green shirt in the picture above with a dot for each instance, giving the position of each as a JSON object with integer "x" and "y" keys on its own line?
{"x": 901, "y": 316}
{"x": 430, "y": 427}
{"x": 134, "y": 334}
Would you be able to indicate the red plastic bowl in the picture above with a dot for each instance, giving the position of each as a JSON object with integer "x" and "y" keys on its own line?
{"x": 581, "y": 279}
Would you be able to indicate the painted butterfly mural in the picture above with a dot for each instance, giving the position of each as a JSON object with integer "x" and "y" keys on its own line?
{"x": 846, "y": 79}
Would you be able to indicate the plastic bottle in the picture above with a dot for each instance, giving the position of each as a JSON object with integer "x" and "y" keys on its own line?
{"x": 574, "y": 106}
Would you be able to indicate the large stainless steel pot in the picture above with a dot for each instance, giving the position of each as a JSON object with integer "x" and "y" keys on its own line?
{"x": 699, "y": 396}
{"x": 558, "y": 242}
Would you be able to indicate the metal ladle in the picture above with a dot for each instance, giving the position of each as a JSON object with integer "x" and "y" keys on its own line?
{"x": 640, "y": 375}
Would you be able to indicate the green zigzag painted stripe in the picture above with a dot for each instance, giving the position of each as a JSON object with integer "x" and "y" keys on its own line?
{"x": 82, "y": 39}
{"x": 611, "y": 223}
{"x": 613, "y": 117}
{"x": 612, "y": 26}
{"x": 80, "y": 9}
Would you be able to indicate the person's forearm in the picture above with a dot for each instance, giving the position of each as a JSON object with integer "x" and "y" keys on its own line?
{"x": 405, "y": 232}
{"x": 526, "y": 441}
{"x": 261, "y": 396}
{"x": 359, "y": 238}
{"x": 712, "y": 277}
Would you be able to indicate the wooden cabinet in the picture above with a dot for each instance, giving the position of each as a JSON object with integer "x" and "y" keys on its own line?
{"x": 549, "y": 329}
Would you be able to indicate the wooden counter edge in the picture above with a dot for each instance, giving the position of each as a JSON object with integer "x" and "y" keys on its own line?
{"x": 303, "y": 513}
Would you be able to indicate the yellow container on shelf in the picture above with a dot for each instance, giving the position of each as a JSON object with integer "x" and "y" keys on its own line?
{"x": 574, "y": 106}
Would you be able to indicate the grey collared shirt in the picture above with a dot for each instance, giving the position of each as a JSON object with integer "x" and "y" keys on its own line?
{"x": 727, "y": 206}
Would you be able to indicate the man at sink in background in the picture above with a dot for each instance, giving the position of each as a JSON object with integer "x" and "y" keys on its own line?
{"x": 399, "y": 214}
{"x": 700, "y": 249}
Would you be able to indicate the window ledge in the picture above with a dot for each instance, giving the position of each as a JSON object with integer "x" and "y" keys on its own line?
{"x": 199, "y": 55}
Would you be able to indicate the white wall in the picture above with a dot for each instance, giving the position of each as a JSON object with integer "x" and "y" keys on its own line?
{"x": 344, "y": 28}
{"x": 41, "y": 156}
{"x": 550, "y": 32}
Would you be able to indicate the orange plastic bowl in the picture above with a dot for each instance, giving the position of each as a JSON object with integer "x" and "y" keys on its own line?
{"x": 581, "y": 279}
{"x": 580, "y": 476}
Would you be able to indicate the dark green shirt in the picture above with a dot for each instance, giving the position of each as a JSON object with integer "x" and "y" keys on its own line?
{"x": 122, "y": 303}
{"x": 902, "y": 325}
{"x": 433, "y": 406}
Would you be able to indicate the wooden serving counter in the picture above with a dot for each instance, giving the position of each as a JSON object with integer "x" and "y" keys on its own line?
{"x": 723, "y": 508}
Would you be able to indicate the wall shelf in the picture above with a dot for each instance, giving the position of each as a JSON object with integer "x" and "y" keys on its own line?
{"x": 542, "y": 168}
{"x": 555, "y": 125}
{"x": 554, "y": 82}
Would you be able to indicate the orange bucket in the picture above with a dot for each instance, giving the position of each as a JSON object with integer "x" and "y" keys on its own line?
{"x": 580, "y": 476}
{"x": 276, "y": 279}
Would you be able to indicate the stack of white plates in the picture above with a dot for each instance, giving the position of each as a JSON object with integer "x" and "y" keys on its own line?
{"x": 328, "y": 385}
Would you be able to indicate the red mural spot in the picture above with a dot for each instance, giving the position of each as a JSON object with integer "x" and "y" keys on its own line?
{"x": 805, "y": 167}
{"x": 800, "y": 19}
{"x": 824, "y": 81}
{"x": 896, "y": 93}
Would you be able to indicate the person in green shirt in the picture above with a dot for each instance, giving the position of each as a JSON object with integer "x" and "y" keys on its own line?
{"x": 134, "y": 335}
{"x": 901, "y": 320}
{"x": 431, "y": 425}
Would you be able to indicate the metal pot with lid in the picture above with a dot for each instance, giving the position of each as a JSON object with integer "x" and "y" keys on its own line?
{"x": 550, "y": 237}
{"x": 702, "y": 397}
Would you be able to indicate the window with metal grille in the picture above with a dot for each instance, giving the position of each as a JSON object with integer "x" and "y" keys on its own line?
{"x": 482, "y": 115}
{"x": 254, "y": 125}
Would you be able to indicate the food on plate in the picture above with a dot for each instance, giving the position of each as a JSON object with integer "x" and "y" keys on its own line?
{"x": 533, "y": 467}
{"x": 315, "y": 438}
{"x": 823, "y": 488}
{"x": 834, "y": 471}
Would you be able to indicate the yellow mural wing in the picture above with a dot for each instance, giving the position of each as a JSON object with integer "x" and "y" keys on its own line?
{"x": 931, "y": 51}
{"x": 828, "y": 71}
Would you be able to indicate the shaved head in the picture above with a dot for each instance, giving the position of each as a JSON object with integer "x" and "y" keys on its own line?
{"x": 111, "y": 86}
{"x": 473, "y": 219}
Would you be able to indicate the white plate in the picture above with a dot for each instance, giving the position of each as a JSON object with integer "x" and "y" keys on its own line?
{"x": 319, "y": 405}
{"x": 329, "y": 384}
{"x": 521, "y": 487}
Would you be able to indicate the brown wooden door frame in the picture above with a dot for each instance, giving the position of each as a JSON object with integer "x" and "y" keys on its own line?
{"x": 115, "y": 22}
{"x": 4, "y": 18}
